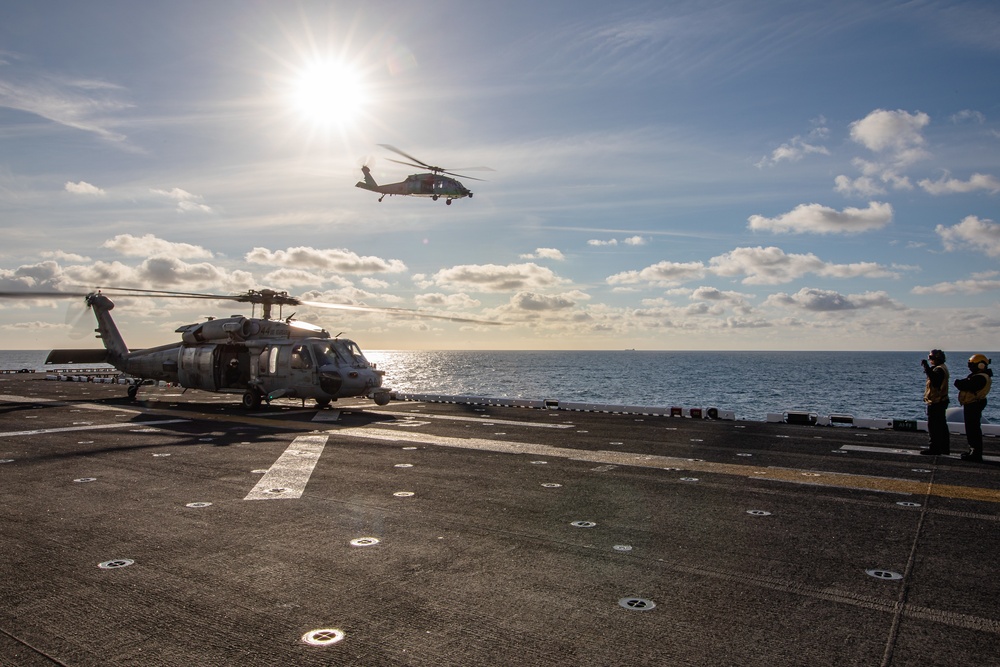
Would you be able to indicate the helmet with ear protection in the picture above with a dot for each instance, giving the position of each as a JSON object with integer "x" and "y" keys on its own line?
{"x": 978, "y": 362}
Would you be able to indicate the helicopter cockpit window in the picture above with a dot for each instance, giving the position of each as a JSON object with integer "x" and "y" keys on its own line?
{"x": 301, "y": 358}
{"x": 340, "y": 352}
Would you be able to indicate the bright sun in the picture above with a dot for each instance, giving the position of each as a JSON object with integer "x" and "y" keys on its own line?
{"x": 328, "y": 93}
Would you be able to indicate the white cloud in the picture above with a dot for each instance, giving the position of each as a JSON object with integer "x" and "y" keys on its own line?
{"x": 186, "y": 202}
{"x": 494, "y": 277}
{"x": 632, "y": 240}
{"x": 545, "y": 253}
{"x": 970, "y": 286}
{"x": 330, "y": 259}
{"x": 534, "y": 302}
{"x": 798, "y": 147}
{"x": 84, "y": 188}
{"x": 896, "y": 137}
{"x": 148, "y": 245}
{"x": 665, "y": 273}
{"x": 825, "y": 220}
{"x": 897, "y": 132}
{"x": 982, "y": 235}
{"x": 459, "y": 301}
{"x": 32, "y": 326}
{"x": 82, "y": 104}
{"x": 968, "y": 115}
{"x": 292, "y": 278}
{"x": 159, "y": 273}
{"x": 946, "y": 185}
{"x": 825, "y": 301}
{"x": 59, "y": 255}
{"x": 864, "y": 186}
{"x": 771, "y": 266}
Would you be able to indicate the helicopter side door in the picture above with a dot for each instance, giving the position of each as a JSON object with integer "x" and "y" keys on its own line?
{"x": 232, "y": 369}
{"x": 302, "y": 371}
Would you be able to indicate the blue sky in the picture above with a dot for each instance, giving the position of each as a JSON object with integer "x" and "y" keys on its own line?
{"x": 668, "y": 175}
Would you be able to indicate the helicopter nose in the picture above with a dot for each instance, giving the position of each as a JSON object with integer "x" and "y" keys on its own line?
{"x": 330, "y": 380}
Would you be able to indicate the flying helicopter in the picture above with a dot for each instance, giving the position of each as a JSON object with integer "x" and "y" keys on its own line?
{"x": 434, "y": 184}
{"x": 260, "y": 358}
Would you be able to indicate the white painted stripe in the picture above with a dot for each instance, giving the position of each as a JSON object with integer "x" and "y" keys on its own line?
{"x": 92, "y": 427}
{"x": 485, "y": 420}
{"x": 288, "y": 477}
{"x": 905, "y": 452}
{"x": 327, "y": 416}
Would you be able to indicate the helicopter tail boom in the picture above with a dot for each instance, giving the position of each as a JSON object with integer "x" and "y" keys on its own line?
{"x": 369, "y": 182}
{"x": 107, "y": 330}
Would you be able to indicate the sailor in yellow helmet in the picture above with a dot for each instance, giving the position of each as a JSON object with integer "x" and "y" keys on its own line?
{"x": 972, "y": 391}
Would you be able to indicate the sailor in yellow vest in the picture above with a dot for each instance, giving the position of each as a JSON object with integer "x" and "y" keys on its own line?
{"x": 972, "y": 392}
{"x": 936, "y": 398}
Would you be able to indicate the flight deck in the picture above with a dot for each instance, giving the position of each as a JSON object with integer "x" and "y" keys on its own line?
{"x": 185, "y": 529}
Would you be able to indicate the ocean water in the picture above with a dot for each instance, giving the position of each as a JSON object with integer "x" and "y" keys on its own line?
{"x": 751, "y": 384}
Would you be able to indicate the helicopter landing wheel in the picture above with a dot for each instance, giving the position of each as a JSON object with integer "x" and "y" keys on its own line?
{"x": 323, "y": 403}
{"x": 252, "y": 399}
{"x": 448, "y": 202}
{"x": 133, "y": 391}
{"x": 434, "y": 197}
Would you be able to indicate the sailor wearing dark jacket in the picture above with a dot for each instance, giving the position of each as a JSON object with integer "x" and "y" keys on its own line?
{"x": 972, "y": 391}
{"x": 936, "y": 398}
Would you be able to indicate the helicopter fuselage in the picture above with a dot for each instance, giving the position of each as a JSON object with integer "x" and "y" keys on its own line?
{"x": 262, "y": 359}
{"x": 430, "y": 185}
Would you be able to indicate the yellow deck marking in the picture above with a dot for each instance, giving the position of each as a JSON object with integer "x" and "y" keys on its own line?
{"x": 817, "y": 478}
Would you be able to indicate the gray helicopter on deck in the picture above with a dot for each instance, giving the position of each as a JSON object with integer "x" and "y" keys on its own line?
{"x": 260, "y": 358}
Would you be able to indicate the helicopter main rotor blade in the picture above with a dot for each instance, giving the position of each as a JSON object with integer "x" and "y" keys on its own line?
{"x": 420, "y": 163}
{"x": 470, "y": 178}
{"x": 155, "y": 293}
{"x": 398, "y": 311}
{"x": 42, "y": 295}
{"x": 411, "y": 164}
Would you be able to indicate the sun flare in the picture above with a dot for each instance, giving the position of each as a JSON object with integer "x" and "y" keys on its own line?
{"x": 328, "y": 93}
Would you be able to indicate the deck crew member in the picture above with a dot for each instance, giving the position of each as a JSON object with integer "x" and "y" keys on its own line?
{"x": 972, "y": 392}
{"x": 936, "y": 398}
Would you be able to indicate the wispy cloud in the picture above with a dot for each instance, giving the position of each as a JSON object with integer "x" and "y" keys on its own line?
{"x": 90, "y": 105}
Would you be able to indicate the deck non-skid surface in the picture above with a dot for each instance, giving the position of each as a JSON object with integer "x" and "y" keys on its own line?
{"x": 182, "y": 529}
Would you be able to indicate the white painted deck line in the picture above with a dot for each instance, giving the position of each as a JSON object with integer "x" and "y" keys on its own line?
{"x": 287, "y": 478}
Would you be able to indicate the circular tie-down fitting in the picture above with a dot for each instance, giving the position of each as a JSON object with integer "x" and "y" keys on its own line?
{"x": 323, "y": 637}
{"x": 758, "y": 513}
{"x": 364, "y": 541}
{"x": 276, "y": 491}
{"x": 622, "y": 547}
{"x": 115, "y": 564}
{"x": 583, "y": 524}
{"x": 403, "y": 465}
{"x": 84, "y": 480}
{"x": 689, "y": 479}
{"x": 551, "y": 485}
{"x": 637, "y": 604}
{"x": 403, "y": 494}
{"x": 908, "y": 503}
{"x": 198, "y": 504}
{"x": 885, "y": 575}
